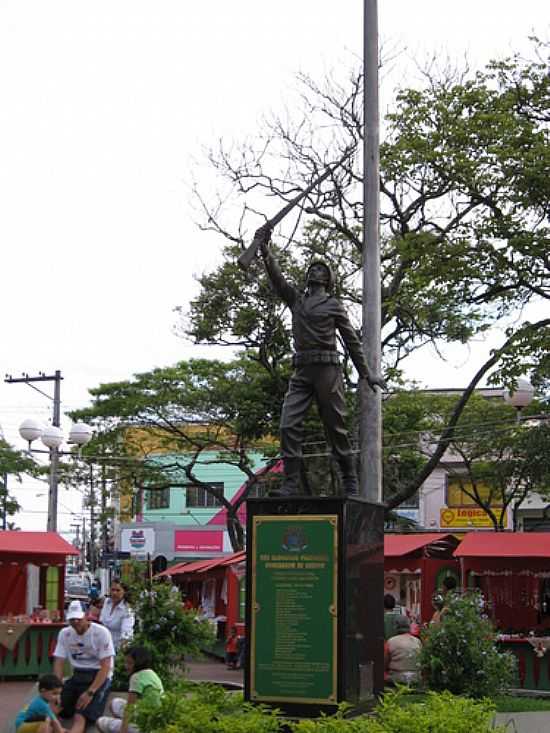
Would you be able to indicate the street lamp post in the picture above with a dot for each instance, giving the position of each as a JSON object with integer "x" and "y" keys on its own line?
{"x": 520, "y": 397}
{"x": 54, "y": 432}
{"x": 52, "y": 437}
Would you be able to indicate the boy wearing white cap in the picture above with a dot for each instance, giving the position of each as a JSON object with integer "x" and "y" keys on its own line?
{"x": 89, "y": 649}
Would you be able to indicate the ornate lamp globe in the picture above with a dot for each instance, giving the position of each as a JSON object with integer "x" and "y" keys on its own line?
{"x": 52, "y": 437}
{"x": 80, "y": 433}
{"x": 521, "y": 396}
{"x": 30, "y": 430}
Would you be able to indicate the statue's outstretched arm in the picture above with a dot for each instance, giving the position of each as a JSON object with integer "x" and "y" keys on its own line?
{"x": 282, "y": 287}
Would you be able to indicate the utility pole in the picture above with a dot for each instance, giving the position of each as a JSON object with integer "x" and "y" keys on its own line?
{"x": 5, "y": 504}
{"x": 104, "y": 532}
{"x": 84, "y": 541}
{"x": 371, "y": 401}
{"x": 56, "y": 421}
{"x": 76, "y": 527}
{"x": 92, "y": 522}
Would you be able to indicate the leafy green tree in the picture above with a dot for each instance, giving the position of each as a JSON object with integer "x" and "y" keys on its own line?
{"x": 464, "y": 191}
{"x": 196, "y": 413}
{"x": 464, "y": 213}
{"x": 501, "y": 460}
{"x": 495, "y": 460}
{"x": 13, "y": 463}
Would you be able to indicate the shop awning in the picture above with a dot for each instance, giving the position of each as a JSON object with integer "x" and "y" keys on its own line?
{"x": 183, "y": 568}
{"x": 201, "y": 566}
{"x": 235, "y": 558}
{"x": 221, "y": 561}
{"x": 397, "y": 545}
{"x": 34, "y": 543}
{"x": 505, "y": 544}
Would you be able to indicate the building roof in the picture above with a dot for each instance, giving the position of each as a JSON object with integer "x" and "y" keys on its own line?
{"x": 397, "y": 545}
{"x": 505, "y": 544}
{"x": 34, "y": 543}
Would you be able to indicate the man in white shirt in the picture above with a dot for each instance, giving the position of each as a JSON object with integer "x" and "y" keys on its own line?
{"x": 89, "y": 649}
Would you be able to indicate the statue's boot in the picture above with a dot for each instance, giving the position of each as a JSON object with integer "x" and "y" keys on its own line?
{"x": 349, "y": 476}
{"x": 291, "y": 481}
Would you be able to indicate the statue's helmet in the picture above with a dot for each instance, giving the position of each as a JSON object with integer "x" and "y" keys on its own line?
{"x": 314, "y": 274}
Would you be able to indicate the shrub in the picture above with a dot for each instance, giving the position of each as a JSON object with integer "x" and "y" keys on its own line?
{"x": 169, "y": 631}
{"x": 204, "y": 708}
{"x": 440, "y": 713}
{"x": 459, "y": 654}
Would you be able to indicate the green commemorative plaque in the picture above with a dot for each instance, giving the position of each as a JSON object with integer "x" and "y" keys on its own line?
{"x": 294, "y": 612}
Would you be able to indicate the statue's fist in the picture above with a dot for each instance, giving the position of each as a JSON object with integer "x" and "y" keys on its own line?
{"x": 263, "y": 234}
{"x": 375, "y": 380}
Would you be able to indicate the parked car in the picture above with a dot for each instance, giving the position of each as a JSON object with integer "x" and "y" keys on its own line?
{"x": 77, "y": 591}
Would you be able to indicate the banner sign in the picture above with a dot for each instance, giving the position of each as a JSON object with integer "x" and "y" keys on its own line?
{"x": 294, "y": 609}
{"x": 468, "y": 517}
{"x": 138, "y": 541}
{"x": 188, "y": 540}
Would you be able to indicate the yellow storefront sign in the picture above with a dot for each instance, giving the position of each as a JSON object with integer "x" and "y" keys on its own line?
{"x": 468, "y": 517}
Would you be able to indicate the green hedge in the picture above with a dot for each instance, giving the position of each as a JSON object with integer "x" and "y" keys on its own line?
{"x": 205, "y": 708}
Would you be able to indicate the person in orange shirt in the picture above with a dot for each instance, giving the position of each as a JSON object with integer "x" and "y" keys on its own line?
{"x": 231, "y": 649}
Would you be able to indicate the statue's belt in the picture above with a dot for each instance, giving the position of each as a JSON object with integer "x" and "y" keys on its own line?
{"x": 304, "y": 358}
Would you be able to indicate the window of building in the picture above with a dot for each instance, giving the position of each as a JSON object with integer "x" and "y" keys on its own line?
{"x": 197, "y": 496}
{"x": 159, "y": 499}
{"x": 457, "y": 496}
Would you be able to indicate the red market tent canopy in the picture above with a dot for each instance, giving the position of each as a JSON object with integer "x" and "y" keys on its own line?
{"x": 511, "y": 569}
{"x": 504, "y": 544}
{"x": 427, "y": 557}
{"x": 432, "y": 544}
{"x": 19, "y": 549}
{"x": 35, "y": 543}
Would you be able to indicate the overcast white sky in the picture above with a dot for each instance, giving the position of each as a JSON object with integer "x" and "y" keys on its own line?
{"x": 102, "y": 107}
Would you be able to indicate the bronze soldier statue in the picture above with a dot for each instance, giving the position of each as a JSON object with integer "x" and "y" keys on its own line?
{"x": 316, "y": 316}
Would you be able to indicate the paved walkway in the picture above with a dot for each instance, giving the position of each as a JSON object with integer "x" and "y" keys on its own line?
{"x": 13, "y": 695}
{"x": 525, "y": 722}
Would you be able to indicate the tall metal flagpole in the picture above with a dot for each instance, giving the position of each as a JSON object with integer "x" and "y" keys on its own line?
{"x": 371, "y": 403}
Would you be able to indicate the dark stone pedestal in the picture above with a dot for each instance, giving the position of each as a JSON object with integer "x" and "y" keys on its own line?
{"x": 315, "y": 571}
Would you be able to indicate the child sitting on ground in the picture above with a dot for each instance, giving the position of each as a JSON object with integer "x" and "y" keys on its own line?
{"x": 144, "y": 684}
{"x": 38, "y": 716}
